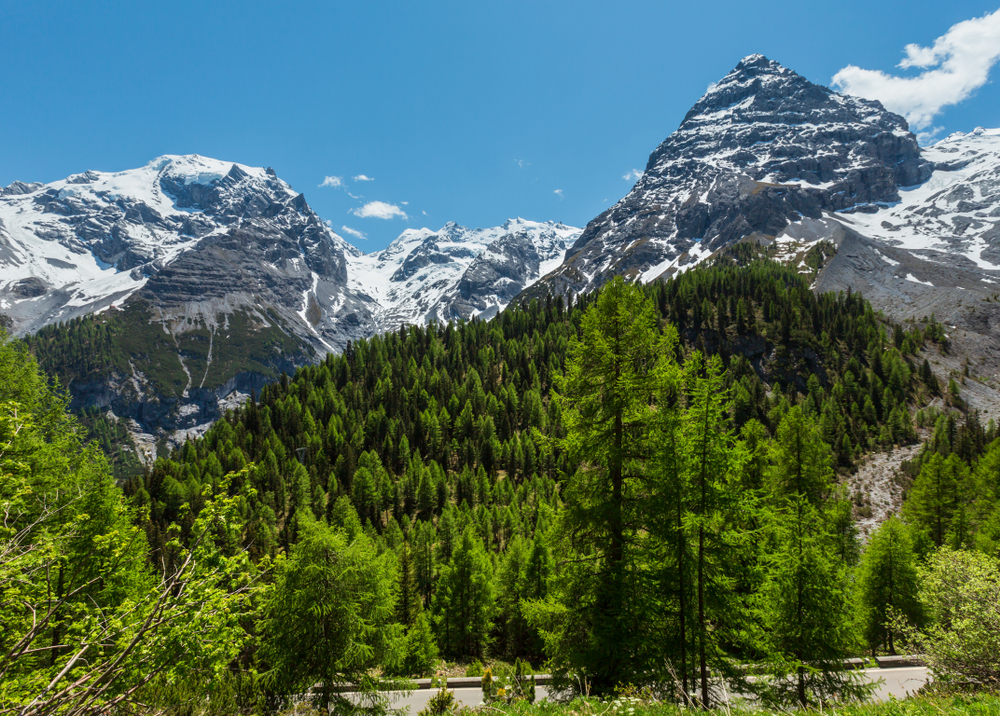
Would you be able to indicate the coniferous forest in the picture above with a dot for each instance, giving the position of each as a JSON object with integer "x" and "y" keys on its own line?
{"x": 641, "y": 487}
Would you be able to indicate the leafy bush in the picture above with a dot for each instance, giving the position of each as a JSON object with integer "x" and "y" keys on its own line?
{"x": 961, "y": 592}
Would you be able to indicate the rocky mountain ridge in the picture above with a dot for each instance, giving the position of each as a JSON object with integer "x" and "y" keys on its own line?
{"x": 455, "y": 272}
{"x": 765, "y": 156}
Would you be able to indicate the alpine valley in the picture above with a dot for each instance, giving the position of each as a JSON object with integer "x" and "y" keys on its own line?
{"x": 211, "y": 278}
{"x": 728, "y": 441}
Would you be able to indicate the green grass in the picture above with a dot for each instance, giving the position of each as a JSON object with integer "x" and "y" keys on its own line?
{"x": 965, "y": 705}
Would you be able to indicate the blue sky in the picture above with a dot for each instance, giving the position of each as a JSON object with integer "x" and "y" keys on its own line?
{"x": 457, "y": 111}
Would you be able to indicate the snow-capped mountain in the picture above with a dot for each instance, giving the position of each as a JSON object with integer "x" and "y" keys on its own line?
{"x": 457, "y": 272}
{"x": 79, "y": 245}
{"x": 190, "y": 230}
{"x": 242, "y": 276}
{"x": 763, "y": 147}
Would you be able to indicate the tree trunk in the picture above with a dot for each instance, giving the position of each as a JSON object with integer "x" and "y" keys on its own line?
{"x": 683, "y": 601}
{"x": 701, "y": 618}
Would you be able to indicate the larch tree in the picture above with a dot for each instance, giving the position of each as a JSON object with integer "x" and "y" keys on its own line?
{"x": 606, "y": 398}
{"x": 888, "y": 584}
{"x": 329, "y": 615}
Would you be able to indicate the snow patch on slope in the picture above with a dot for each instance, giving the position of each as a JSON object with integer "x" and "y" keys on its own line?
{"x": 956, "y": 211}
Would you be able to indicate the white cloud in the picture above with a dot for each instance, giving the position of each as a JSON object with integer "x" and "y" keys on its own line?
{"x": 632, "y": 175}
{"x": 362, "y": 177}
{"x": 521, "y": 164}
{"x": 335, "y": 182}
{"x": 405, "y": 203}
{"x": 955, "y": 66}
{"x": 379, "y": 210}
{"x": 559, "y": 193}
{"x": 354, "y": 232}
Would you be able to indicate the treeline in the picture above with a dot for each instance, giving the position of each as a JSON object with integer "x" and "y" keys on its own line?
{"x": 132, "y": 338}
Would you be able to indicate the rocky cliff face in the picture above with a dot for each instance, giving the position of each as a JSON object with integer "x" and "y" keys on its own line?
{"x": 216, "y": 230}
{"x": 221, "y": 257}
{"x": 763, "y": 148}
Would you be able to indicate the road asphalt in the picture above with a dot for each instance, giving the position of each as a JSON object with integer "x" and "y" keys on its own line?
{"x": 896, "y": 682}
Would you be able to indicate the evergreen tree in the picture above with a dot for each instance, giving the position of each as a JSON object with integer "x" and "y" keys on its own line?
{"x": 933, "y": 500}
{"x": 606, "y": 399}
{"x": 465, "y": 600}
{"x": 805, "y": 610}
{"x": 328, "y": 617}
{"x": 887, "y": 583}
{"x": 804, "y": 602}
{"x": 409, "y": 603}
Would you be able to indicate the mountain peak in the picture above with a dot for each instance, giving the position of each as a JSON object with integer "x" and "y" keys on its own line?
{"x": 762, "y": 148}
{"x": 755, "y": 60}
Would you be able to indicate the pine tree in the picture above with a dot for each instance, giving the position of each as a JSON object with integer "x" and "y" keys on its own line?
{"x": 805, "y": 608}
{"x": 933, "y": 500}
{"x": 328, "y": 616}
{"x": 804, "y": 601}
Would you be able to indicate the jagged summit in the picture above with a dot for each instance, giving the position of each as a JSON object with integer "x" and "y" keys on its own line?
{"x": 81, "y": 244}
{"x": 754, "y": 74}
{"x": 762, "y": 148}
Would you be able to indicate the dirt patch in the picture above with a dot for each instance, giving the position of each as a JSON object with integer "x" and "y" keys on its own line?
{"x": 876, "y": 490}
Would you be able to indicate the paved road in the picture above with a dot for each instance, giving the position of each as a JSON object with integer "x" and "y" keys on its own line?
{"x": 897, "y": 682}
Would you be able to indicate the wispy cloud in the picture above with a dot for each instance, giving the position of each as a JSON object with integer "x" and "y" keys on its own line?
{"x": 955, "y": 66}
{"x": 354, "y": 232}
{"x": 632, "y": 175}
{"x": 335, "y": 182}
{"x": 379, "y": 210}
{"x": 362, "y": 177}
{"x": 559, "y": 193}
{"x": 521, "y": 164}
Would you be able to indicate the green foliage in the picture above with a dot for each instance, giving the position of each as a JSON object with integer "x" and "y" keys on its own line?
{"x": 85, "y": 623}
{"x": 463, "y": 452}
{"x": 326, "y": 618}
{"x": 440, "y": 703}
{"x": 805, "y": 609}
{"x": 131, "y": 338}
{"x": 961, "y": 593}
{"x": 606, "y": 400}
{"x": 464, "y": 600}
{"x": 934, "y": 502}
{"x": 804, "y": 604}
{"x": 887, "y": 585}
{"x": 420, "y": 650}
